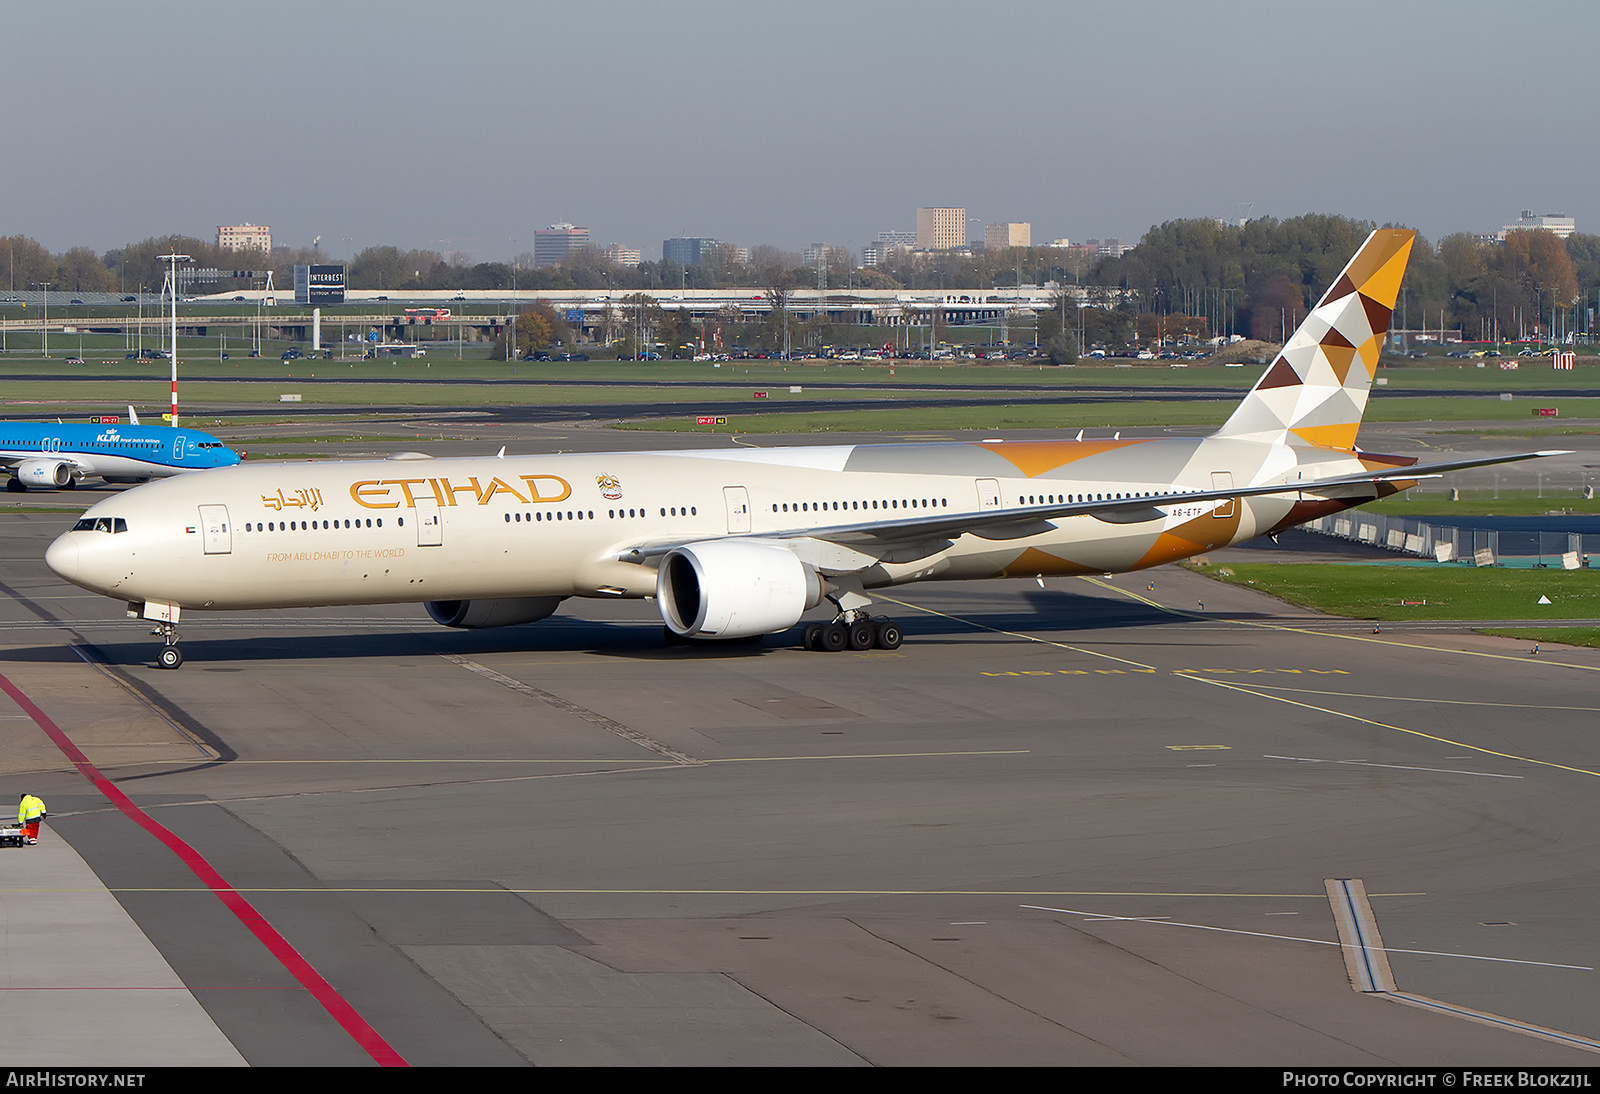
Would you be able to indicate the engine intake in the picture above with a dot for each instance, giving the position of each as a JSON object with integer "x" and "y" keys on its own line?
{"x": 48, "y": 473}
{"x": 473, "y": 614}
{"x": 734, "y": 589}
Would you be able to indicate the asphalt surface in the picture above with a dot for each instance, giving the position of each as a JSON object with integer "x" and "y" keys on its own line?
{"x": 1090, "y": 823}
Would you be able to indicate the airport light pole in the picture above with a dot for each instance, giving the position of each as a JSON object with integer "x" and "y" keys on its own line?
{"x": 172, "y": 261}
{"x": 44, "y": 318}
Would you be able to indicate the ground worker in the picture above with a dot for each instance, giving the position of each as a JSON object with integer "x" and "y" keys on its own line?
{"x": 29, "y": 814}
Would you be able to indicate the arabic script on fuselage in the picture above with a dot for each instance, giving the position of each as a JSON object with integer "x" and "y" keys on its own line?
{"x": 305, "y": 498}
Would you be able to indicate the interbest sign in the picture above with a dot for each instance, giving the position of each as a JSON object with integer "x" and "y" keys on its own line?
{"x": 319, "y": 284}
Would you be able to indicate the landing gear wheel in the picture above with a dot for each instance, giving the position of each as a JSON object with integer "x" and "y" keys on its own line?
{"x": 14, "y": 486}
{"x": 171, "y": 657}
{"x": 887, "y": 635}
{"x": 811, "y": 637}
{"x": 70, "y": 484}
{"x": 834, "y": 637}
{"x": 861, "y": 635}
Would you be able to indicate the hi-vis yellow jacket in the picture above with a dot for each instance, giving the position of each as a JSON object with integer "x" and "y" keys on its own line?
{"x": 31, "y": 809}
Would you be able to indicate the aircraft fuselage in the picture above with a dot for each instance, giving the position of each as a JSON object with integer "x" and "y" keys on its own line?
{"x": 414, "y": 530}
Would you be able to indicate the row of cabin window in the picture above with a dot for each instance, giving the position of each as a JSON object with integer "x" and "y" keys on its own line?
{"x": 570, "y": 514}
{"x": 1069, "y": 499}
{"x": 895, "y": 503}
{"x": 81, "y": 446}
{"x": 310, "y": 525}
{"x": 613, "y": 514}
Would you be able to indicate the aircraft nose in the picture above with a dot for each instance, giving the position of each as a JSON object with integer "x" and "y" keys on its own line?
{"x": 62, "y": 557}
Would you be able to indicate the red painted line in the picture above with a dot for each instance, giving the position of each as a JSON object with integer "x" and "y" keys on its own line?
{"x": 158, "y": 987}
{"x": 334, "y": 1003}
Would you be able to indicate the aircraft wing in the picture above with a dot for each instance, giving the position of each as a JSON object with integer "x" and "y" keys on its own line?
{"x": 1018, "y": 522}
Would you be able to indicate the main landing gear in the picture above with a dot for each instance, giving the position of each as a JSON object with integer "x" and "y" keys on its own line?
{"x": 171, "y": 656}
{"x": 853, "y": 630}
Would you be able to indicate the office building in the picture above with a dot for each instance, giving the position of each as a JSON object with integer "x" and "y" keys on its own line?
{"x": 688, "y": 250}
{"x": 618, "y": 255}
{"x": 1559, "y": 223}
{"x": 552, "y": 244}
{"x": 244, "y": 237}
{"x": 1003, "y": 236}
{"x": 941, "y": 229}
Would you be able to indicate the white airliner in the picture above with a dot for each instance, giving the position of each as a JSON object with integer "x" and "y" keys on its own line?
{"x": 739, "y": 544}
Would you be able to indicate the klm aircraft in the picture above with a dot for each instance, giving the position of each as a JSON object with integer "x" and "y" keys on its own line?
{"x": 57, "y": 456}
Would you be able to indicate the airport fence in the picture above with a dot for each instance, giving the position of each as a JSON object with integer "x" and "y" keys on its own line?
{"x": 1452, "y": 543}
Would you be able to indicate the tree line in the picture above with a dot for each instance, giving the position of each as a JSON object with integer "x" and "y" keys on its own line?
{"x": 1260, "y": 279}
{"x": 1256, "y": 279}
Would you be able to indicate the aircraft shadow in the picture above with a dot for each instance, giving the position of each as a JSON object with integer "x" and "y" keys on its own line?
{"x": 1047, "y": 613}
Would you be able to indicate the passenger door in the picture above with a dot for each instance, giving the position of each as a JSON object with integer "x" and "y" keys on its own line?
{"x": 214, "y": 525}
{"x": 738, "y": 501}
{"x": 1223, "y": 480}
{"x": 430, "y": 527}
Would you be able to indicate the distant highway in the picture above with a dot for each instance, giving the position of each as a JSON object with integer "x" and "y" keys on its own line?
{"x": 1175, "y": 392}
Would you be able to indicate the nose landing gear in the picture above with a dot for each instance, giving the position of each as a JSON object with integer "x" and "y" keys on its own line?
{"x": 170, "y": 656}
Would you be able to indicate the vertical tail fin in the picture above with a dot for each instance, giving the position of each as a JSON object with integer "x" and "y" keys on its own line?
{"x": 1314, "y": 393}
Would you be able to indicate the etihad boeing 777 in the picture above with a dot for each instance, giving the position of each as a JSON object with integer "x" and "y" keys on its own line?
{"x": 739, "y": 544}
{"x": 57, "y": 455}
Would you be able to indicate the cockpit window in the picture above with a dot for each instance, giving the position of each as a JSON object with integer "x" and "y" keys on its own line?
{"x": 101, "y": 524}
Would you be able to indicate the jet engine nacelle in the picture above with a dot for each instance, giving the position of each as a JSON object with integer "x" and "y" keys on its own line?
{"x": 47, "y": 473}
{"x": 472, "y": 614}
{"x": 734, "y": 589}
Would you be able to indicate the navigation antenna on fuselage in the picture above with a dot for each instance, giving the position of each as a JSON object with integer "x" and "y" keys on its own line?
{"x": 171, "y": 285}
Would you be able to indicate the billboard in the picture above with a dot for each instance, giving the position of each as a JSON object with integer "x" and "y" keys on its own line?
{"x": 319, "y": 284}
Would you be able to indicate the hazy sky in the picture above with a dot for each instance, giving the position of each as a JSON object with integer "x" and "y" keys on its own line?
{"x": 466, "y": 125}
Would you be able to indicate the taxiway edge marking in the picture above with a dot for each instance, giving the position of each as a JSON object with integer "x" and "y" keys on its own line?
{"x": 338, "y": 1008}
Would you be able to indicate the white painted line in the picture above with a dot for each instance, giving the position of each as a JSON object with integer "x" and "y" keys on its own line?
{"x": 1396, "y": 767}
{"x": 1102, "y": 918}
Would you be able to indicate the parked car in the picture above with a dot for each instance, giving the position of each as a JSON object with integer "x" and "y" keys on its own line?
{"x": 290, "y": 355}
